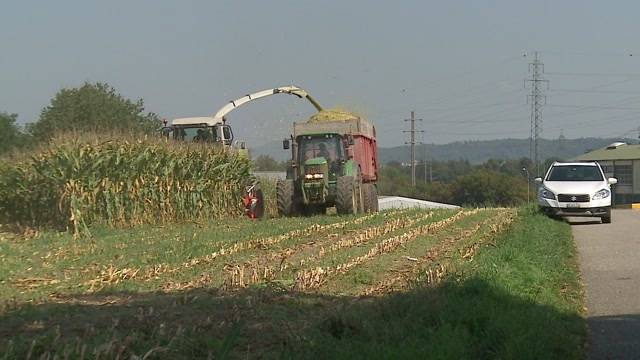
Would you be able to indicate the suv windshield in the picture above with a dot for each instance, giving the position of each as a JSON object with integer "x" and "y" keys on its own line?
{"x": 575, "y": 173}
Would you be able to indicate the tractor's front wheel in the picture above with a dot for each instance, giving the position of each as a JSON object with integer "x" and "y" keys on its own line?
{"x": 346, "y": 195}
{"x": 285, "y": 197}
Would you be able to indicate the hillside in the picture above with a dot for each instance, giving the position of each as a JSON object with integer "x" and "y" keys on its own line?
{"x": 474, "y": 151}
{"x": 480, "y": 151}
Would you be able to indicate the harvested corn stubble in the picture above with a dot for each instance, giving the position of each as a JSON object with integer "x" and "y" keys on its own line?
{"x": 313, "y": 278}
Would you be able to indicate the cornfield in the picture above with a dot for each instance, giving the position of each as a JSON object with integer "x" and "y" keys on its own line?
{"x": 121, "y": 182}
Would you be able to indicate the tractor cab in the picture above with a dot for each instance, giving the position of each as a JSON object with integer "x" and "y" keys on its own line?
{"x": 327, "y": 146}
{"x": 321, "y": 154}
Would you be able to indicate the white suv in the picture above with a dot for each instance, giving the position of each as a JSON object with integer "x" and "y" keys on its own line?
{"x": 576, "y": 189}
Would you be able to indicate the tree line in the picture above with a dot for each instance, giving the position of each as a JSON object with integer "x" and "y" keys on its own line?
{"x": 493, "y": 183}
{"x": 93, "y": 107}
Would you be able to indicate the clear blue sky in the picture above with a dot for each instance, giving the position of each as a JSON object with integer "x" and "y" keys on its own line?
{"x": 458, "y": 64}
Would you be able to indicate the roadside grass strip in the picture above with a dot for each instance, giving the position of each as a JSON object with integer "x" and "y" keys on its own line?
{"x": 434, "y": 266}
{"x": 316, "y": 277}
{"x": 267, "y": 267}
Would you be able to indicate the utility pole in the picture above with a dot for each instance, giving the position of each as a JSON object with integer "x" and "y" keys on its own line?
{"x": 537, "y": 99}
{"x": 431, "y": 163}
{"x": 412, "y": 142}
{"x": 424, "y": 160}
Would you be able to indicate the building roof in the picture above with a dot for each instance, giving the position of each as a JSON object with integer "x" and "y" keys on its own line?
{"x": 620, "y": 152}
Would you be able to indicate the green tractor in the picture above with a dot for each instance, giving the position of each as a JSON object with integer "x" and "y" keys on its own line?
{"x": 334, "y": 163}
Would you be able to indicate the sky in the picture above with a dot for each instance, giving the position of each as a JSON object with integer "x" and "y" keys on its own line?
{"x": 460, "y": 65}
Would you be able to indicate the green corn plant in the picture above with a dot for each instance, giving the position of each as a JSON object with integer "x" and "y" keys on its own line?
{"x": 121, "y": 182}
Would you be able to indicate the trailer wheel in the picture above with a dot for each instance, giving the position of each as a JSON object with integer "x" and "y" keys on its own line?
{"x": 360, "y": 197}
{"x": 370, "y": 197}
{"x": 374, "y": 198}
{"x": 360, "y": 189}
{"x": 366, "y": 197}
{"x": 285, "y": 196}
{"x": 346, "y": 196}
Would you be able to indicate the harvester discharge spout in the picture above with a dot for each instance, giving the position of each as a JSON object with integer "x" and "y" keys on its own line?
{"x": 291, "y": 90}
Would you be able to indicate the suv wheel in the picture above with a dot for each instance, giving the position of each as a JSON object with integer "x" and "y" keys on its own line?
{"x": 607, "y": 218}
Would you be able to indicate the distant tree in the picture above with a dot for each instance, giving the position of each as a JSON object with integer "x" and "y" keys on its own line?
{"x": 267, "y": 163}
{"x": 11, "y": 137}
{"x": 92, "y": 107}
{"x": 485, "y": 187}
{"x": 496, "y": 182}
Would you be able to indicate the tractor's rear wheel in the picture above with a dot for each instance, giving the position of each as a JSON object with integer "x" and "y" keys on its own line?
{"x": 285, "y": 197}
{"x": 370, "y": 195}
{"x": 346, "y": 195}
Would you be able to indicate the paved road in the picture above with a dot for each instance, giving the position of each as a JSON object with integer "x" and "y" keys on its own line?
{"x": 609, "y": 257}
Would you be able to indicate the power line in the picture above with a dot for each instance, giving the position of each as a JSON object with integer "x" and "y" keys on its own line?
{"x": 479, "y": 133}
{"x": 480, "y": 118}
{"x": 589, "y": 107}
{"x": 627, "y": 133}
{"x": 467, "y": 91}
{"x": 593, "y": 74}
{"x": 479, "y": 106}
{"x": 569, "y": 91}
{"x": 585, "y": 108}
{"x": 432, "y": 83}
{"x": 603, "y": 121}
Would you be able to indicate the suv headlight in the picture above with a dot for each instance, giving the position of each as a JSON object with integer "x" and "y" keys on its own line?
{"x": 601, "y": 194}
{"x": 546, "y": 193}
